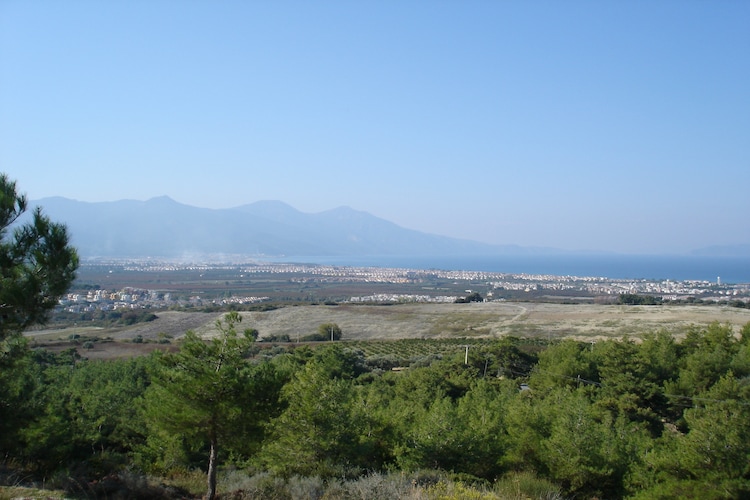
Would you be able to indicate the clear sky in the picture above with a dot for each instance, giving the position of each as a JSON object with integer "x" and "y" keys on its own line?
{"x": 614, "y": 125}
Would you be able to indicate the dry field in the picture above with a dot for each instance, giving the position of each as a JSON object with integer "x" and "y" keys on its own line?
{"x": 369, "y": 322}
{"x": 580, "y": 321}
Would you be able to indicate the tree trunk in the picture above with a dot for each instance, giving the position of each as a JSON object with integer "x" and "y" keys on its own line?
{"x": 211, "y": 494}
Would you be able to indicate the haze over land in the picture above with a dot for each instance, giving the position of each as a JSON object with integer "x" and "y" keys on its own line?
{"x": 609, "y": 126}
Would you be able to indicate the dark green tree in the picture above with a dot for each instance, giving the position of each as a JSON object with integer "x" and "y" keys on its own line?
{"x": 472, "y": 297}
{"x": 329, "y": 331}
{"x": 507, "y": 360}
{"x": 465, "y": 436}
{"x": 717, "y": 445}
{"x": 586, "y": 450}
{"x": 627, "y": 385}
{"x": 638, "y": 300}
{"x": 84, "y": 413}
{"x": 567, "y": 364}
{"x": 711, "y": 459}
{"x": 707, "y": 355}
{"x": 197, "y": 393}
{"x": 316, "y": 433}
{"x": 37, "y": 264}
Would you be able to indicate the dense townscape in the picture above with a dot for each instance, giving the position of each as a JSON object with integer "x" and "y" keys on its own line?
{"x": 492, "y": 284}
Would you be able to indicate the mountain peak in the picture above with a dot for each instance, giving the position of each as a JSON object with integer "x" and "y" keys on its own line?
{"x": 273, "y": 210}
{"x": 162, "y": 200}
{"x": 267, "y": 205}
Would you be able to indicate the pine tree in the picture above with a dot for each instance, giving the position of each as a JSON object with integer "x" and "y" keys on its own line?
{"x": 197, "y": 392}
{"x": 37, "y": 265}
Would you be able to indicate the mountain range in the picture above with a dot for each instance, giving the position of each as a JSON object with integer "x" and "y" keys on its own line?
{"x": 161, "y": 227}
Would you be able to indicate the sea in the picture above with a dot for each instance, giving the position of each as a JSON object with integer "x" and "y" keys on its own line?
{"x": 725, "y": 270}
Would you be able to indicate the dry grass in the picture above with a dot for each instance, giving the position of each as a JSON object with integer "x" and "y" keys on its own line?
{"x": 491, "y": 319}
{"x": 19, "y": 492}
{"x": 416, "y": 321}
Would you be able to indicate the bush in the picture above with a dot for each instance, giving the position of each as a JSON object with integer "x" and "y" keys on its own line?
{"x": 315, "y": 337}
{"x": 383, "y": 362}
{"x": 474, "y": 297}
{"x": 276, "y": 338}
{"x": 241, "y": 486}
{"x": 326, "y": 331}
{"x": 633, "y": 299}
{"x": 121, "y": 484}
{"x": 373, "y": 485}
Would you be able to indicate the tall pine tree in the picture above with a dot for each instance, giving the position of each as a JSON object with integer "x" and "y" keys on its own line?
{"x": 197, "y": 393}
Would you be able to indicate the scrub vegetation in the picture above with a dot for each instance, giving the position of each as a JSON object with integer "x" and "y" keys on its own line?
{"x": 515, "y": 418}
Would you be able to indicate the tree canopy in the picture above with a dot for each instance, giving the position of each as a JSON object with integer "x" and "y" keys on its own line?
{"x": 37, "y": 266}
{"x": 199, "y": 393}
{"x": 37, "y": 263}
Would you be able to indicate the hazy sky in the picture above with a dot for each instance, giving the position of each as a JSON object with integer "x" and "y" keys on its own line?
{"x": 613, "y": 125}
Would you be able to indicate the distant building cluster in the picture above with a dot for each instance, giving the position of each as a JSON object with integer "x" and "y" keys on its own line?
{"x": 135, "y": 298}
{"x": 493, "y": 283}
{"x": 668, "y": 290}
{"x": 403, "y": 298}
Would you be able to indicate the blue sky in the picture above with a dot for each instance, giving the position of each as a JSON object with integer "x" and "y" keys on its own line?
{"x": 617, "y": 126}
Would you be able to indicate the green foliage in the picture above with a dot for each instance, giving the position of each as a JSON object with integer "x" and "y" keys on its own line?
{"x": 717, "y": 445}
{"x": 633, "y": 299}
{"x": 507, "y": 359}
{"x": 472, "y": 297}
{"x": 567, "y": 364}
{"x": 466, "y": 436}
{"x": 586, "y": 450}
{"x": 37, "y": 265}
{"x": 629, "y": 387}
{"x": 197, "y": 393}
{"x": 316, "y": 434}
{"x": 18, "y": 384}
{"x": 103, "y": 319}
{"x": 276, "y": 338}
{"x": 707, "y": 355}
{"x": 326, "y": 331}
{"x": 658, "y": 418}
{"x": 79, "y": 412}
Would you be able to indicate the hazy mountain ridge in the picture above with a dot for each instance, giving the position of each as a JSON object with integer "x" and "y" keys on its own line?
{"x": 723, "y": 251}
{"x": 162, "y": 227}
